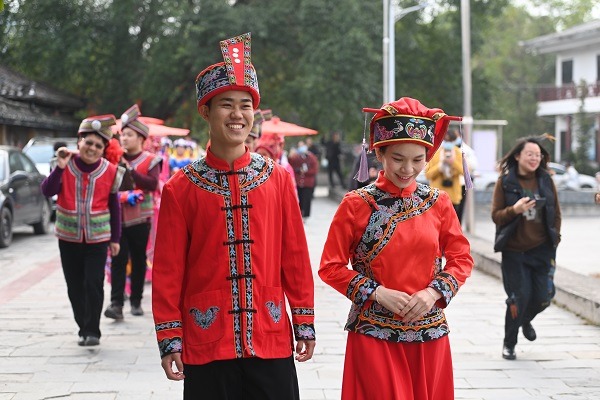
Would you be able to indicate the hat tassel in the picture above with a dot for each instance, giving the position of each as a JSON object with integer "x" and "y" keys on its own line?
{"x": 466, "y": 173}
{"x": 363, "y": 169}
{"x": 362, "y": 175}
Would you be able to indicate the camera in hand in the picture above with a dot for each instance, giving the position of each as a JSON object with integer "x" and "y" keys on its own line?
{"x": 447, "y": 182}
{"x": 62, "y": 153}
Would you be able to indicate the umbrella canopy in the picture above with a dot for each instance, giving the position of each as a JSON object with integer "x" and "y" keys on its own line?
{"x": 157, "y": 127}
{"x": 276, "y": 126}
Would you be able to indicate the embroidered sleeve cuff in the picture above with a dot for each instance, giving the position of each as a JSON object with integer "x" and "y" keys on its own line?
{"x": 304, "y": 332}
{"x": 168, "y": 346}
{"x": 360, "y": 288}
{"x": 446, "y": 284}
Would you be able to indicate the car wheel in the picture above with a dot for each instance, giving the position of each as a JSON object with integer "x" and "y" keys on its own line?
{"x": 43, "y": 227}
{"x": 6, "y": 232}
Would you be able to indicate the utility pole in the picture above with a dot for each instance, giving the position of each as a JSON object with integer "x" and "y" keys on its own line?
{"x": 467, "y": 122}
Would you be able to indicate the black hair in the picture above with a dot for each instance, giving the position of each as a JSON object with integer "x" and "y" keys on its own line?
{"x": 509, "y": 161}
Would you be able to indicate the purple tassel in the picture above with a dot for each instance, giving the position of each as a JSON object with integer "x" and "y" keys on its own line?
{"x": 363, "y": 169}
{"x": 466, "y": 173}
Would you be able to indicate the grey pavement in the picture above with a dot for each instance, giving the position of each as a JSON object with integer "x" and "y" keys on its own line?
{"x": 40, "y": 359}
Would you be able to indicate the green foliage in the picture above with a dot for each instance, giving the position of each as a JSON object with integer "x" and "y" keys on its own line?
{"x": 584, "y": 124}
{"x": 319, "y": 62}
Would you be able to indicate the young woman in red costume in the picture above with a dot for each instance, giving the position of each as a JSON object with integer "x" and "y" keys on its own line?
{"x": 395, "y": 233}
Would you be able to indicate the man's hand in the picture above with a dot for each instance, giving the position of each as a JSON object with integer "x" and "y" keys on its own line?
{"x": 174, "y": 374}
{"x": 304, "y": 350}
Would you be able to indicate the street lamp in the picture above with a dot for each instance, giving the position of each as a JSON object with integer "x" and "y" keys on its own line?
{"x": 390, "y": 16}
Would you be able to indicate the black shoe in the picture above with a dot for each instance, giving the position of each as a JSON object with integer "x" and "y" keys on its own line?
{"x": 81, "y": 341}
{"x": 113, "y": 311}
{"x": 137, "y": 310}
{"x": 529, "y": 332}
{"x": 91, "y": 341}
{"x": 508, "y": 353}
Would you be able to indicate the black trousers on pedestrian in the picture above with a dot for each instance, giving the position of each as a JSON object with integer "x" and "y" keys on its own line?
{"x": 528, "y": 279}
{"x": 334, "y": 168}
{"x": 242, "y": 378}
{"x": 83, "y": 266}
{"x": 305, "y": 196}
{"x": 134, "y": 240}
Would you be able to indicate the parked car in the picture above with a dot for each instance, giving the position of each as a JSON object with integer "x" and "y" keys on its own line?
{"x": 486, "y": 180}
{"x": 561, "y": 178}
{"x": 41, "y": 151}
{"x": 21, "y": 198}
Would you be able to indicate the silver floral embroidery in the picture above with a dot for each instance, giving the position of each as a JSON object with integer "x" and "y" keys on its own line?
{"x": 206, "y": 319}
{"x": 274, "y": 310}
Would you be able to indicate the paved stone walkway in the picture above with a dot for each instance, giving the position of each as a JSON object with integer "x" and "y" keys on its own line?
{"x": 40, "y": 359}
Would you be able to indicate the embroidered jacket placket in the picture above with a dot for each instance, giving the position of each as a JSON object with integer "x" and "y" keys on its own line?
{"x": 234, "y": 187}
{"x": 231, "y": 301}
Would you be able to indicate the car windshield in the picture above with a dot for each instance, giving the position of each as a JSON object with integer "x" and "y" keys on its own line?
{"x": 41, "y": 153}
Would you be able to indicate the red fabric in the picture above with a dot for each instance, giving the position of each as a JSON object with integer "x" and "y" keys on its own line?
{"x": 113, "y": 151}
{"x": 192, "y": 264}
{"x": 95, "y": 203}
{"x": 425, "y": 237}
{"x": 304, "y": 177}
{"x": 377, "y": 369}
{"x": 271, "y": 142}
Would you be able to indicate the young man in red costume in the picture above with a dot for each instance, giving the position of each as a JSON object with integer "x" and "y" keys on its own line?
{"x": 230, "y": 249}
{"x": 137, "y": 205}
{"x": 395, "y": 233}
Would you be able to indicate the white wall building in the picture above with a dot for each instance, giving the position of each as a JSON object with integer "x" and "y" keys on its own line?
{"x": 577, "y": 52}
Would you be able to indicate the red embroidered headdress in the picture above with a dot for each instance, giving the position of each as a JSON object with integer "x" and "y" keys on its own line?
{"x": 235, "y": 73}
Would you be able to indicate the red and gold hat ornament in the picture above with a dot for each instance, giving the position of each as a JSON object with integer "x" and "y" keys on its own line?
{"x": 236, "y": 72}
{"x": 407, "y": 120}
{"x": 99, "y": 124}
{"x": 130, "y": 119}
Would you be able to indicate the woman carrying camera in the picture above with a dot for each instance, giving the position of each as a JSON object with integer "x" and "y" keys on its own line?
{"x": 445, "y": 169}
{"x": 527, "y": 215}
{"x": 88, "y": 220}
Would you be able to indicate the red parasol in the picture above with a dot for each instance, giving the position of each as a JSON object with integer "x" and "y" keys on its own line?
{"x": 157, "y": 127}
{"x": 276, "y": 126}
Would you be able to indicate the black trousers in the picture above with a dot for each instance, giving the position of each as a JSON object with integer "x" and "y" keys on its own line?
{"x": 335, "y": 168}
{"x": 134, "y": 240}
{"x": 528, "y": 279}
{"x": 305, "y": 196}
{"x": 242, "y": 379}
{"x": 83, "y": 267}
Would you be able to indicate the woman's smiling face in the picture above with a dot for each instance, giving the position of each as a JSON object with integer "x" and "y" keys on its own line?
{"x": 402, "y": 162}
{"x": 91, "y": 148}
